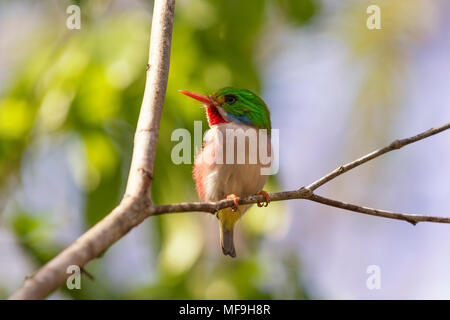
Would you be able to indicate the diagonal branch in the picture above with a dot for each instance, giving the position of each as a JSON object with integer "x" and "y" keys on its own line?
{"x": 136, "y": 205}
{"x": 131, "y": 211}
{"x": 397, "y": 144}
{"x": 307, "y": 192}
{"x": 411, "y": 218}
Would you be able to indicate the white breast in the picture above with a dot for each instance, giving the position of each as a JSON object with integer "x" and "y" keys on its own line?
{"x": 236, "y": 168}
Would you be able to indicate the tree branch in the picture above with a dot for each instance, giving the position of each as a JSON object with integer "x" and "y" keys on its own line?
{"x": 411, "y": 218}
{"x": 302, "y": 193}
{"x": 307, "y": 192}
{"x": 397, "y": 144}
{"x": 136, "y": 204}
{"x": 131, "y": 211}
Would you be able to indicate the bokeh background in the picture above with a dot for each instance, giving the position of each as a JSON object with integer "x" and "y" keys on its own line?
{"x": 69, "y": 101}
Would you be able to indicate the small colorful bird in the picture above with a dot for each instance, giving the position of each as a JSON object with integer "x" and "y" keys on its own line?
{"x": 216, "y": 177}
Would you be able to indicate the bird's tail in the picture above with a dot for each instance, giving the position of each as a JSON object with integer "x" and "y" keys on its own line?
{"x": 226, "y": 240}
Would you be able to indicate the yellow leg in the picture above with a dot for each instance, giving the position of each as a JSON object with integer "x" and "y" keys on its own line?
{"x": 235, "y": 200}
{"x": 267, "y": 198}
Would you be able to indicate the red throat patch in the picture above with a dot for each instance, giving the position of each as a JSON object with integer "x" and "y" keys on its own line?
{"x": 214, "y": 116}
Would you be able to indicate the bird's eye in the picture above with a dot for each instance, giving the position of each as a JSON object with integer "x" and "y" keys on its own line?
{"x": 230, "y": 99}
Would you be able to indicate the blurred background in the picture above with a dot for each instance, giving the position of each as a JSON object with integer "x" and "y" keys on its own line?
{"x": 69, "y": 101}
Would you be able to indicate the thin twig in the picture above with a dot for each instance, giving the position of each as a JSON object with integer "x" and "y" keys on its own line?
{"x": 411, "y": 218}
{"x": 397, "y": 144}
{"x": 90, "y": 276}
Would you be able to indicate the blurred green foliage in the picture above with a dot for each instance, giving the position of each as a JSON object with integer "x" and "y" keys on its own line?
{"x": 300, "y": 11}
{"x": 86, "y": 86}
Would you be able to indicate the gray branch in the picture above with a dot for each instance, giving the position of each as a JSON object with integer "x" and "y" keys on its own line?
{"x": 131, "y": 211}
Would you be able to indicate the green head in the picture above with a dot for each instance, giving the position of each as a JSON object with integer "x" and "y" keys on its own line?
{"x": 235, "y": 105}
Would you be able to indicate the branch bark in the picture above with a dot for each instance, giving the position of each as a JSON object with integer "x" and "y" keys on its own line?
{"x": 131, "y": 211}
{"x": 147, "y": 130}
{"x": 136, "y": 204}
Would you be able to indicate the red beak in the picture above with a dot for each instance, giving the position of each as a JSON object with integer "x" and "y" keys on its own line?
{"x": 196, "y": 96}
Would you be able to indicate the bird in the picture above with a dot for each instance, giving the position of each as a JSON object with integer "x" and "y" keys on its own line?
{"x": 223, "y": 172}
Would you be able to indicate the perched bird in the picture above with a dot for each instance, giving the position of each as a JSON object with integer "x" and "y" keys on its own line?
{"x": 224, "y": 172}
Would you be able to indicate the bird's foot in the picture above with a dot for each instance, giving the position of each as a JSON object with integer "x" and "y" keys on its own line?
{"x": 267, "y": 198}
{"x": 235, "y": 200}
